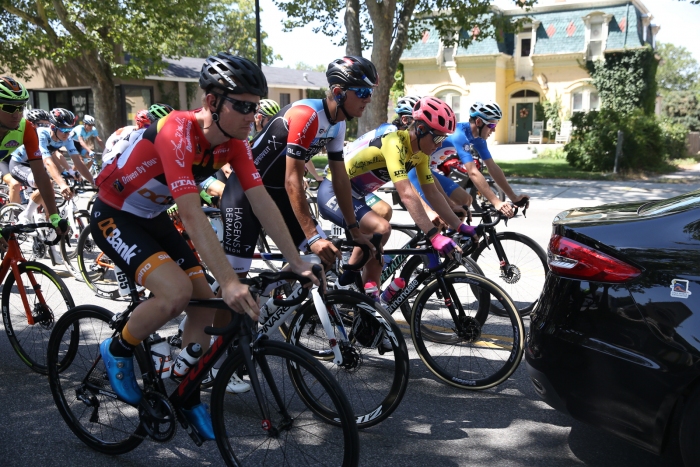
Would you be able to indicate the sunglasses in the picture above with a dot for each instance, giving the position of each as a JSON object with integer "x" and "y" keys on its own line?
{"x": 437, "y": 139}
{"x": 362, "y": 93}
{"x": 242, "y": 107}
{"x": 491, "y": 126}
{"x": 63, "y": 130}
{"x": 12, "y": 108}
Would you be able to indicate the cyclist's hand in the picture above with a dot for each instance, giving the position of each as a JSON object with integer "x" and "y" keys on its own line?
{"x": 325, "y": 250}
{"x": 435, "y": 219}
{"x": 461, "y": 212}
{"x": 304, "y": 269}
{"x": 65, "y": 192}
{"x": 444, "y": 245}
{"x": 61, "y": 225}
{"x": 504, "y": 208}
{"x": 522, "y": 200}
{"x": 364, "y": 240}
{"x": 91, "y": 154}
{"x": 237, "y": 296}
{"x": 469, "y": 231}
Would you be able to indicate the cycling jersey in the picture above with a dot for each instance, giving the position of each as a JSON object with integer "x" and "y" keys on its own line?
{"x": 364, "y": 140}
{"x": 386, "y": 158}
{"x": 460, "y": 143}
{"x": 121, "y": 133}
{"x": 46, "y": 146}
{"x": 146, "y": 172}
{"x": 80, "y": 130}
{"x": 300, "y": 131}
{"x": 25, "y": 136}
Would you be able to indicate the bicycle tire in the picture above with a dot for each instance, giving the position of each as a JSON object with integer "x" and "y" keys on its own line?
{"x": 236, "y": 417}
{"x": 374, "y": 382}
{"x": 478, "y": 198}
{"x": 96, "y": 269}
{"x": 8, "y": 215}
{"x": 528, "y": 262}
{"x": 76, "y": 339}
{"x": 69, "y": 243}
{"x": 492, "y": 346}
{"x": 31, "y": 341}
{"x": 414, "y": 265}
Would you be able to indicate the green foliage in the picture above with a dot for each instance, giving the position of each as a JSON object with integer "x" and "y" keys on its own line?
{"x": 647, "y": 144}
{"x": 683, "y": 107}
{"x": 675, "y": 137}
{"x": 678, "y": 70}
{"x": 305, "y": 66}
{"x": 316, "y": 93}
{"x": 398, "y": 89}
{"x": 232, "y": 31}
{"x": 171, "y": 97}
{"x": 549, "y": 153}
{"x": 552, "y": 113}
{"x": 626, "y": 80}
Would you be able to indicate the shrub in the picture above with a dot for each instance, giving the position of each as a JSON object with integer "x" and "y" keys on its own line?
{"x": 675, "y": 137}
{"x": 594, "y": 141}
{"x": 550, "y": 153}
{"x": 683, "y": 107}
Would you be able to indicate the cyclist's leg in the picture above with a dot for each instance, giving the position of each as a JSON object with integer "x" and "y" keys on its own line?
{"x": 378, "y": 205}
{"x": 22, "y": 174}
{"x": 14, "y": 185}
{"x": 453, "y": 190}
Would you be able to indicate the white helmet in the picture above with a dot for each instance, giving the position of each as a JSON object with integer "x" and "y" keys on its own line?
{"x": 88, "y": 120}
{"x": 488, "y": 110}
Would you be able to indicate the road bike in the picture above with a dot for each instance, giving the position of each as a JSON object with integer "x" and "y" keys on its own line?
{"x": 33, "y": 297}
{"x": 295, "y": 414}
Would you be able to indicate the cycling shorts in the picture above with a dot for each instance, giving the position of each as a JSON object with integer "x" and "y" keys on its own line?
{"x": 330, "y": 210}
{"x": 22, "y": 173}
{"x": 4, "y": 167}
{"x": 81, "y": 150}
{"x": 372, "y": 199}
{"x": 139, "y": 245}
{"x": 446, "y": 183}
{"x": 242, "y": 227}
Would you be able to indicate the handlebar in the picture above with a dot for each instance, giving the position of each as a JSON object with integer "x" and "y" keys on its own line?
{"x": 347, "y": 245}
{"x": 9, "y": 230}
{"x": 256, "y": 286}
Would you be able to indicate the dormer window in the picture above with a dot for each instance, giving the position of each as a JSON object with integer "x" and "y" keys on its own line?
{"x": 595, "y": 45}
{"x": 596, "y": 34}
{"x": 448, "y": 55}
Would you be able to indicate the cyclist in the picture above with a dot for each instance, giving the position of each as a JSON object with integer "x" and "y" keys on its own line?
{"x": 39, "y": 117}
{"x": 16, "y": 131}
{"x": 143, "y": 120}
{"x": 389, "y": 158}
{"x": 156, "y": 111}
{"x": 298, "y": 132}
{"x": 268, "y": 108}
{"x": 483, "y": 118}
{"x": 148, "y": 171}
{"x": 80, "y": 135}
{"x": 404, "y": 112}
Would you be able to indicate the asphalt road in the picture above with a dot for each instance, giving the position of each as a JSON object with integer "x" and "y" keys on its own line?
{"x": 435, "y": 424}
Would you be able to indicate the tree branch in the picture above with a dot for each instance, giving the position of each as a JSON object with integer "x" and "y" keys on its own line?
{"x": 62, "y": 14}
{"x": 402, "y": 29}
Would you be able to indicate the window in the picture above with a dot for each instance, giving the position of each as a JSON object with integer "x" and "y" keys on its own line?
{"x": 284, "y": 99}
{"x": 525, "y": 47}
{"x": 595, "y": 101}
{"x": 452, "y": 99}
{"x": 448, "y": 55}
{"x": 595, "y": 46}
{"x": 136, "y": 98}
{"x": 585, "y": 99}
{"x": 578, "y": 102}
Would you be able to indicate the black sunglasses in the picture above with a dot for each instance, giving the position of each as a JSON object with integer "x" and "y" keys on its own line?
{"x": 12, "y": 108}
{"x": 242, "y": 107}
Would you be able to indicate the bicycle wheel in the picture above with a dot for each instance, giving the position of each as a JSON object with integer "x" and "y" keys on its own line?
{"x": 481, "y": 350}
{"x": 47, "y": 298}
{"x": 294, "y": 435}
{"x": 373, "y": 380}
{"x": 96, "y": 269}
{"x": 523, "y": 278}
{"x": 80, "y": 386}
{"x": 69, "y": 242}
{"x": 8, "y": 215}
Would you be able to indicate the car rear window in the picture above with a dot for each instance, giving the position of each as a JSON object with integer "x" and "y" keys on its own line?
{"x": 675, "y": 204}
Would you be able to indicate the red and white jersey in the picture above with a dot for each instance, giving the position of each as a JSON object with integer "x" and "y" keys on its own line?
{"x": 121, "y": 133}
{"x": 148, "y": 170}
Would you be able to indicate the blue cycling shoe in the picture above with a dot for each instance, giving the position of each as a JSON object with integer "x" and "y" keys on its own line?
{"x": 199, "y": 417}
{"x": 120, "y": 371}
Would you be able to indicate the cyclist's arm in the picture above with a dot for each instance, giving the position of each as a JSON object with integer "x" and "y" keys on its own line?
{"x": 483, "y": 186}
{"x": 59, "y": 161}
{"x": 82, "y": 142}
{"x": 500, "y": 179}
{"x": 312, "y": 170}
{"x": 55, "y": 174}
{"x": 43, "y": 183}
{"x": 294, "y": 184}
{"x": 99, "y": 140}
{"x": 440, "y": 205}
{"x": 198, "y": 228}
{"x": 413, "y": 205}
{"x": 82, "y": 168}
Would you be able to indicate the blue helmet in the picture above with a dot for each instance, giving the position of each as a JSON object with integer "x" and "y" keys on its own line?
{"x": 404, "y": 106}
{"x": 488, "y": 110}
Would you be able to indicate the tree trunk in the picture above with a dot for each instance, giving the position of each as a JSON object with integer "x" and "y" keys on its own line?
{"x": 353, "y": 29}
{"x": 104, "y": 93}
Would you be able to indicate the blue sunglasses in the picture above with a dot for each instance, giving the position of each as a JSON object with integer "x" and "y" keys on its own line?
{"x": 64, "y": 130}
{"x": 362, "y": 93}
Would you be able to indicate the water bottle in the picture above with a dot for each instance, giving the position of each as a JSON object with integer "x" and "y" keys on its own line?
{"x": 372, "y": 290}
{"x": 160, "y": 353}
{"x": 393, "y": 290}
{"x": 186, "y": 360}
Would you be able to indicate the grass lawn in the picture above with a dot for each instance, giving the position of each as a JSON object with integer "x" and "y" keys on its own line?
{"x": 320, "y": 162}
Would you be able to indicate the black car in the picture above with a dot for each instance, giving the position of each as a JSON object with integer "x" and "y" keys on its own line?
{"x": 615, "y": 338}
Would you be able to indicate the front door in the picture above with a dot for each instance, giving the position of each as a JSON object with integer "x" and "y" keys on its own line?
{"x": 523, "y": 122}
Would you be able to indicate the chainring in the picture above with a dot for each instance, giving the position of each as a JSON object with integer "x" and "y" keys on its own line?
{"x": 159, "y": 420}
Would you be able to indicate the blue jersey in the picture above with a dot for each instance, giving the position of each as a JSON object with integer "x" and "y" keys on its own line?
{"x": 80, "y": 130}
{"x": 460, "y": 143}
{"x": 46, "y": 146}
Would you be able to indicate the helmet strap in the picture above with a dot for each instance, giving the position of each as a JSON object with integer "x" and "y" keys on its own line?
{"x": 215, "y": 117}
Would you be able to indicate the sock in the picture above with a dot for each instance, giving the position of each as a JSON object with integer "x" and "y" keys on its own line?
{"x": 31, "y": 209}
{"x": 347, "y": 278}
{"x": 123, "y": 345}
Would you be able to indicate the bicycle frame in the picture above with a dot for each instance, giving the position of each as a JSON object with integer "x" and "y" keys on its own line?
{"x": 13, "y": 256}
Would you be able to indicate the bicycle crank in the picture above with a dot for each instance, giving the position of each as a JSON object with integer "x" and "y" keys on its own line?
{"x": 157, "y": 416}
{"x": 510, "y": 274}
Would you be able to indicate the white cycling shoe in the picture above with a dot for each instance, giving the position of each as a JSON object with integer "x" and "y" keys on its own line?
{"x": 235, "y": 385}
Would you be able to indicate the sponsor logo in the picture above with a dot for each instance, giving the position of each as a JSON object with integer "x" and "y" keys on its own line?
{"x": 262, "y": 155}
{"x": 232, "y": 230}
{"x": 139, "y": 277}
{"x": 256, "y": 176}
{"x": 181, "y": 183}
{"x": 118, "y": 186}
{"x": 12, "y": 144}
{"x": 332, "y": 204}
{"x": 182, "y": 142}
{"x": 196, "y": 272}
{"x": 163, "y": 257}
{"x": 155, "y": 197}
{"x": 399, "y": 173}
{"x": 112, "y": 233}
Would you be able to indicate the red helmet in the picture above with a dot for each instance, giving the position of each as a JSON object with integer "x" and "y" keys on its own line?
{"x": 142, "y": 120}
{"x": 436, "y": 114}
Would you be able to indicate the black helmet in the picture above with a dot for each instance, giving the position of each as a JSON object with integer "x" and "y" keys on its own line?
{"x": 62, "y": 117}
{"x": 352, "y": 71}
{"x": 233, "y": 75}
{"x": 35, "y": 115}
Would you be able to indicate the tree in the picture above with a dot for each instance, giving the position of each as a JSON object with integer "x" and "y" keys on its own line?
{"x": 306, "y": 66}
{"x": 678, "y": 70}
{"x": 683, "y": 107}
{"x": 94, "y": 39}
{"x": 233, "y": 32}
{"x": 388, "y": 26}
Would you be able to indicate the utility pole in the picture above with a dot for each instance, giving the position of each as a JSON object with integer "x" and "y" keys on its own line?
{"x": 258, "y": 44}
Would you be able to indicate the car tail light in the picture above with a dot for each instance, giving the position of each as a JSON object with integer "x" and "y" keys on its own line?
{"x": 574, "y": 260}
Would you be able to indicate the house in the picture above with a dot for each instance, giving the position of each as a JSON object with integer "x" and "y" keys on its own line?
{"x": 177, "y": 85}
{"x": 541, "y": 62}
